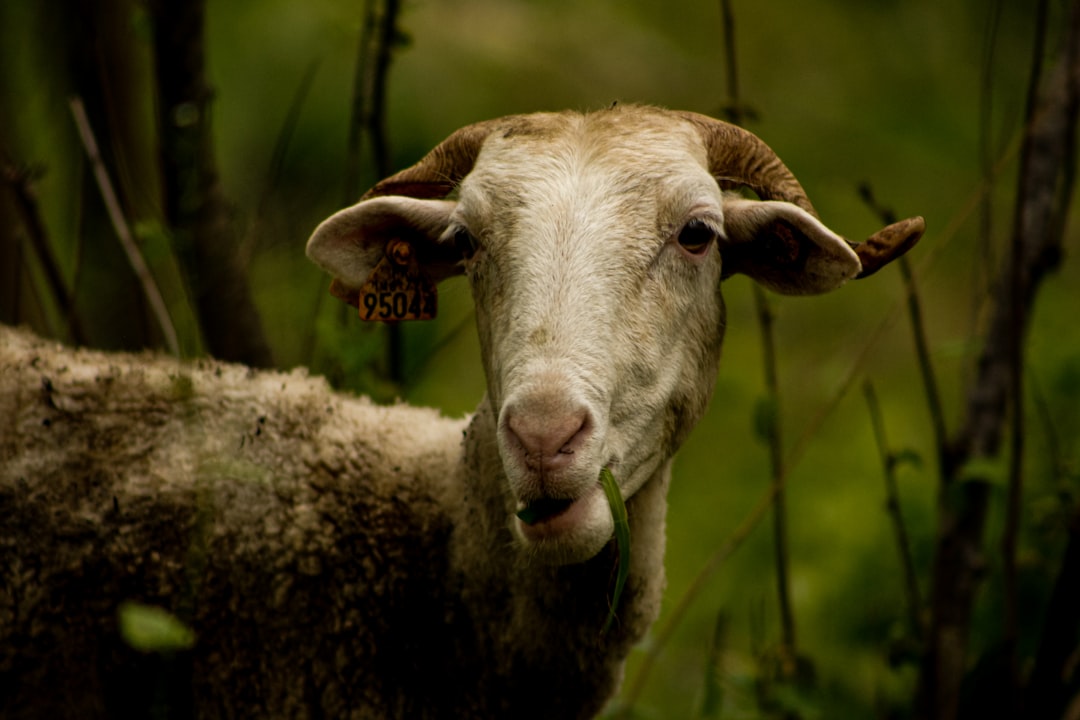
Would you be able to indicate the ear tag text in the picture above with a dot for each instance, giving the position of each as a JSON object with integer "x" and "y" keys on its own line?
{"x": 397, "y": 289}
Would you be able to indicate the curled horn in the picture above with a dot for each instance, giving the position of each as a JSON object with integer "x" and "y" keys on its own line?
{"x": 737, "y": 158}
{"x": 439, "y": 172}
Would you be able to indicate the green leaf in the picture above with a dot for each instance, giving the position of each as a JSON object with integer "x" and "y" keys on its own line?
{"x": 152, "y": 629}
{"x": 622, "y": 539}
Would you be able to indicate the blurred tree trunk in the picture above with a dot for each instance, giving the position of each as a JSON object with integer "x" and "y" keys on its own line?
{"x": 195, "y": 207}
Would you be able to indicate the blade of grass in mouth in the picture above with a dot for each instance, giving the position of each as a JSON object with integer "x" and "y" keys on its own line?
{"x": 540, "y": 510}
{"x": 622, "y": 539}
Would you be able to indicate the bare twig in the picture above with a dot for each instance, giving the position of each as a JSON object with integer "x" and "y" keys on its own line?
{"x": 918, "y": 332}
{"x": 889, "y": 461}
{"x": 383, "y": 54}
{"x": 360, "y": 103}
{"x": 123, "y": 231}
{"x": 774, "y": 438}
{"x": 379, "y": 35}
{"x": 926, "y": 366}
{"x": 1015, "y": 390}
{"x": 19, "y": 180}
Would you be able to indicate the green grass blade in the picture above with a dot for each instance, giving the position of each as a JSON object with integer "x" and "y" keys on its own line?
{"x": 622, "y": 539}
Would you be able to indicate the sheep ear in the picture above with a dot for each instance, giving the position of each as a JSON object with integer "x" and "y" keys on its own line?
{"x": 784, "y": 248}
{"x": 351, "y": 242}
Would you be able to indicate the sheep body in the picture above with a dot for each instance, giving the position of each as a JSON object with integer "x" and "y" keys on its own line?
{"x": 304, "y": 535}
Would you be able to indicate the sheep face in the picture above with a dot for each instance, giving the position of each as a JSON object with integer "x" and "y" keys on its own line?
{"x": 595, "y": 246}
{"x": 600, "y": 331}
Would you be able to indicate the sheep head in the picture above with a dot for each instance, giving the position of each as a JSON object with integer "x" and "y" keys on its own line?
{"x": 595, "y": 246}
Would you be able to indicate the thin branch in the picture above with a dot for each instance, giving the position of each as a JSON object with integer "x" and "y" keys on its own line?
{"x": 1016, "y": 325}
{"x": 123, "y": 231}
{"x": 19, "y": 180}
{"x": 379, "y": 36}
{"x": 359, "y": 106}
{"x": 774, "y": 438}
{"x": 918, "y": 332}
{"x": 889, "y": 461}
{"x": 926, "y": 365}
{"x": 388, "y": 38}
{"x": 1010, "y": 534}
{"x": 382, "y": 54}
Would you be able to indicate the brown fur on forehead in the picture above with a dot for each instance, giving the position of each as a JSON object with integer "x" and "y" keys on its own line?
{"x": 649, "y": 138}
{"x": 628, "y": 152}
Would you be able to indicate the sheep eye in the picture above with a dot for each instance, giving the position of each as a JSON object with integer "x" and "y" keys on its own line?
{"x": 465, "y": 243}
{"x": 696, "y": 236}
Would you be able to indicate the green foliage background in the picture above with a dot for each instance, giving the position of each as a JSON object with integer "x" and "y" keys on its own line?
{"x": 887, "y": 92}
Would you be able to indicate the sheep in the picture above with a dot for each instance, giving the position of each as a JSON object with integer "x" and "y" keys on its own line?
{"x": 335, "y": 558}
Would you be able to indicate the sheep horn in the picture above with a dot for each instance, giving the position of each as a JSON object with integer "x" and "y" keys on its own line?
{"x": 439, "y": 172}
{"x": 737, "y": 158}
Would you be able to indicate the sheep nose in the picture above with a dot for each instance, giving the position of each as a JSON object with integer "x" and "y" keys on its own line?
{"x": 545, "y": 443}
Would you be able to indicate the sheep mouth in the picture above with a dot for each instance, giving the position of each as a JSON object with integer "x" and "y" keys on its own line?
{"x": 563, "y": 530}
{"x": 543, "y": 509}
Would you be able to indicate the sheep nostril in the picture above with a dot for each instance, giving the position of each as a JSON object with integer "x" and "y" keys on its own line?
{"x": 547, "y": 443}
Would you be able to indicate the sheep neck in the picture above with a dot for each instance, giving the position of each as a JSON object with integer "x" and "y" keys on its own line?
{"x": 553, "y": 613}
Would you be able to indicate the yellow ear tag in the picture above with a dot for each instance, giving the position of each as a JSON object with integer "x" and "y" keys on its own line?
{"x": 397, "y": 289}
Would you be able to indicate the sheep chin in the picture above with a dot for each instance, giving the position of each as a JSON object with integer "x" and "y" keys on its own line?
{"x": 572, "y": 536}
